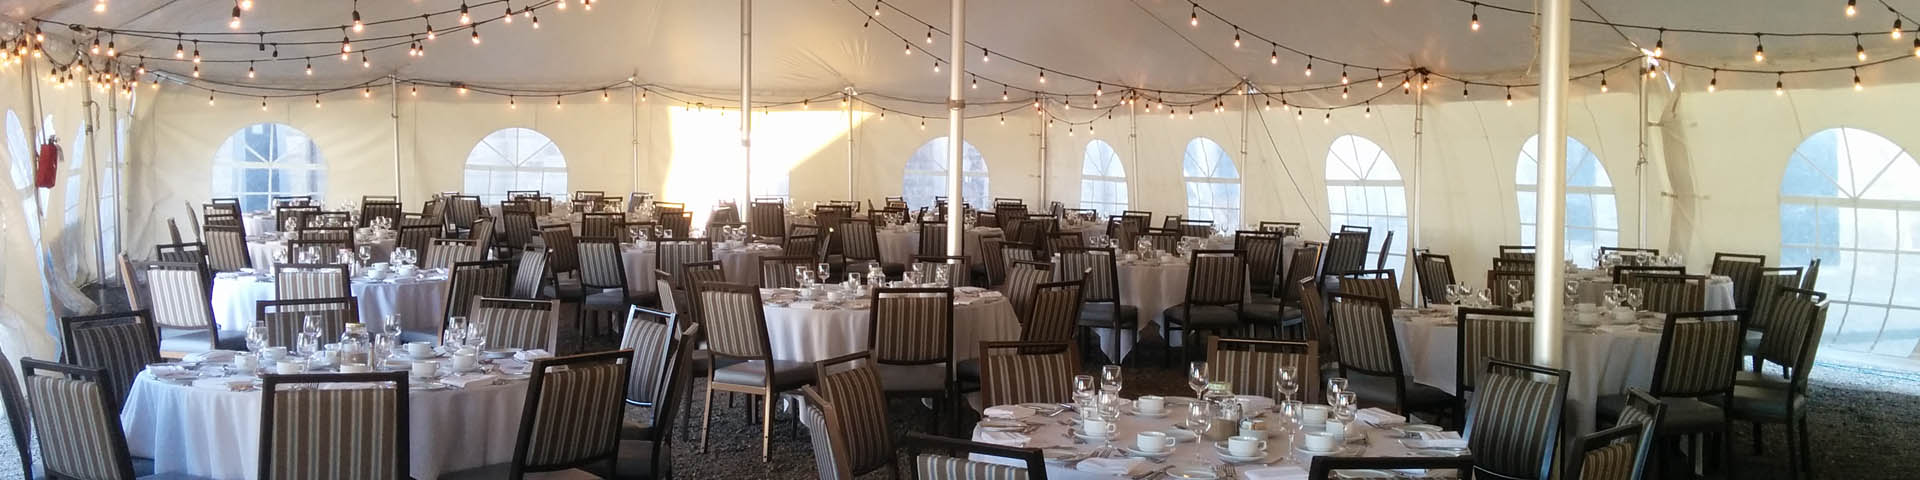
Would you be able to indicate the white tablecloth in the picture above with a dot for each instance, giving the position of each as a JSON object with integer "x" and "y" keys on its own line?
{"x": 1151, "y": 288}
{"x": 740, "y": 265}
{"x": 260, "y": 223}
{"x": 420, "y": 303}
{"x": 261, "y": 251}
{"x": 1594, "y": 286}
{"x": 900, "y": 245}
{"x": 207, "y": 430}
{"x": 801, "y": 333}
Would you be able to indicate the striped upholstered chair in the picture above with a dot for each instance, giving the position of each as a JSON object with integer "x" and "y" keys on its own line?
{"x": 529, "y": 272}
{"x": 285, "y": 318}
{"x": 954, "y": 460}
{"x": 1250, "y": 365}
{"x": 1693, "y": 375}
{"x": 736, "y": 328}
{"x": 829, "y": 445}
{"x": 1023, "y": 372}
{"x": 1285, "y": 310}
{"x": 1621, "y": 272}
{"x": 1216, "y": 290}
{"x": 1435, "y": 274}
{"x": 370, "y": 210}
{"x": 1513, "y": 427}
{"x": 1744, "y": 270}
{"x": 470, "y": 280}
{"x": 1370, "y": 357}
{"x": 183, "y": 312}
{"x": 564, "y": 256}
{"x": 646, "y": 451}
{"x": 294, "y": 281}
{"x": 933, "y": 239}
{"x": 1670, "y": 293}
{"x": 1787, "y": 312}
{"x": 1263, "y": 258}
{"x": 649, "y": 334}
{"x": 777, "y": 271}
{"x": 1054, "y": 312}
{"x": 767, "y": 219}
{"x": 673, "y": 255}
{"x": 606, "y": 225}
{"x": 444, "y": 252}
{"x": 227, "y": 248}
{"x": 956, "y": 266}
{"x": 1485, "y": 335}
{"x": 1100, "y": 306}
{"x": 1622, "y": 451}
{"x": 363, "y": 429}
{"x": 1316, "y": 324}
{"x": 1381, "y": 284}
{"x": 1768, "y": 282}
{"x": 1346, "y": 252}
{"x": 1021, "y": 282}
{"x": 416, "y": 234}
{"x": 1517, "y": 252}
{"x": 78, "y": 422}
{"x": 1800, "y": 318}
{"x": 603, "y": 273}
{"x": 1501, "y": 282}
{"x": 854, "y": 385}
{"x": 910, "y": 338}
{"x": 120, "y": 343}
{"x": 1513, "y": 264}
{"x": 515, "y": 323}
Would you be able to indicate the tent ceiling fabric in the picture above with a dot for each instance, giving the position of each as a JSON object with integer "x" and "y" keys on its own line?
{"x": 812, "y": 46}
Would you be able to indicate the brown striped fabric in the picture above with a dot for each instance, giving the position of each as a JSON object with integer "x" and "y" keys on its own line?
{"x": 1346, "y": 252}
{"x": 703, "y": 272}
{"x": 191, "y": 252}
{"x": 1021, "y": 282}
{"x": 1517, "y": 252}
{"x": 1666, "y": 293}
{"x": 79, "y": 436}
{"x": 808, "y": 245}
{"x": 600, "y": 263}
{"x": 563, "y": 254}
{"x": 1512, "y": 416}
{"x": 327, "y": 234}
{"x": 1263, "y": 256}
{"x": 588, "y": 196}
{"x": 1061, "y": 241}
{"x": 911, "y": 328}
{"x": 829, "y": 458}
{"x": 327, "y": 433}
{"x": 1054, "y": 313}
{"x": 1382, "y": 285}
{"x": 285, "y": 318}
{"x": 416, "y": 237}
{"x": 1794, "y": 312}
{"x": 1701, "y": 357}
{"x": 1492, "y": 336}
{"x": 1513, "y": 264}
{"x": 542, "y": 205}
{"x": 517, "y": 226}
{"x": 1009, "y": 375}
{"x": 1218, "y": 277}
{"x": 860, "y": 408}
{"x": 1364, "y": 335}
{"x": 180, "y": 297}
{"x": 1768, "y": 283}
{"x": 373, "y": 210}
{"x": 444, "y": 252}
{"x": 735, "y": 324}
{"x": 857, "y": 240}
{"x": 956, "y": 267}
{"x": 767, "y": 219}
{"x": 463, "y": 210}
{"x": 673, "y": 255}
{"x": 282, "y": 213}
{"x": 227, "y": 248}
{"x": 1094, "y": 268}
{"x": 1744, "y": 270}
{"x": 1436, "y": 273}
{"x": 778, "y": 271}
{"x": 677, "y": 223}
{"x": 648, "y": 339}
{"x": 1610, "y": 462}
{"x": 1638, "y": 410}
{"x": 1125, "y": 229}
{"x": 1497, "y": 285}
{"x": 470, "y": 280}
{"x": 1303, "y": 266}
{"x": 122, "y": 346}
{"x": 1165, "y": 241}
{"x": 933, "y": 239}
{"x": 523, "y": 324}
{"x": 1250, "y": 366}
{"x": 528, "y": 273}
{"x": 933, "y": 466}
{"x": 1196, "y": 228}
{"x": 601, "y": 225}
{"x": 1313, "y": 314}
{"x": 482, "y": 235}
{"x": 579, "y": 415}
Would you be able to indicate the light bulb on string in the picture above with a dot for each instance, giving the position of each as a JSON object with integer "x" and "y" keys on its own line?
{"x": 929, "y": 35}
{"x": 413, "y": 90}
{"x": 806, "y": 104}
{"x": 1857, "y": 86}
{"x": 1003, "y": 95}
{"x": 512, "y": 104}
{"x": 976, "y": 82}
{"x": 1603, "y": 82}
{"x": 1653, "y": 70}
{"x": 1759, "y": 50}
{"x": 1043, "y": 76}
{"x": 309, "y": 68}
{"x": 876, "y": 8}
{"x": 263, "y": 104}
{"x": 100, "y": 6}
{"x": 316, "y": 101}
{"x": 508, "y": 17}
{"x": 1309, "y": 70}
{"x": 1851, "y": 9}
{"x": 1895, "y": 32}
{"x": 1713, "y": 83}
{"x": 1300, "y": 114}
{"x": 1098, "y": 90}
{"x": 1274, "y": 58}
{"x": 556, "y": 102}
{"x": 1475, "y": 24}
{"x": 936, "y": 66}
{"x": 209, "y": 99}
{"x": 908, "y": 48}
{"x": 476, "y": 35}
{"x": 1859, "y": 51}
{"x": 346, "y": 44}
{"x": 1509, "y": 96}
{"x": 536, "y": 21}
{"x": 235, "y": 22}
{"x": 1343, "y": 75}
{"x": 985, "y": 56}
{"x": 1369, "y": 110}
{"x": 1779, "y": 84}
{"x": 464, "y": 18}
{"x": 1236, "y": 37}
{"x": 366, "y": 92}
{"x": 196, "y": 71}
{"x": 1193, "y": 17}
{"x": 560, "y": 4}
{"x": 429, "y": 24}
{"x": 364, "y": 62}
{"x": 95, "y": 49}
{"x": 357, "y": 26}
{"x": 1379, "y": 81}
{"x": 1328, "y": 118}
{"x": 179, "y": 50}
{"x": 1343, "y": 93}
{"x": 196, "y": 52}
{"x": 249, "y": 69}
{"x": 1916, "y": 47}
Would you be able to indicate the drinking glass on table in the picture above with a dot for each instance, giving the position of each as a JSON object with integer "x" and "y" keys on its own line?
{"x": 802, "y": 274}
{"x": 365, "y": 252}
{"x": 1612, "y": 298}
{"x": 477, "y": 333}
{"x": 456, "y": 333}
{"x": 258, "y": 337}
{"x": 1573, "y": 292}
{"x": 1345, "y": 405}
{"x": 826, "y": 271}
{"x": 1635, "y": 296}
{"x": 1197, "y": 378}
{"x": 1335, "y": 386}
{"x": 1484, "y": 296}
{"x": 1286, "y": 380}
{"x": 1110, "y": 378}
{"x": 1513, "y": 293}
{"x": 1083, "y": 388}
{"x": 1453, "y": 295}
{"x": 1619, "y": 290}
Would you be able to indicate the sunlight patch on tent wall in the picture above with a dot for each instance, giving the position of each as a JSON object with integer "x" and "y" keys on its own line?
{"x": 705, "y": 153}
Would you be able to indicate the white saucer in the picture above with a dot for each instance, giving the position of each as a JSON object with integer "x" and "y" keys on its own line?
{"x": 1193, "y": 473}
{"x": 1239, "y": 459}
{"x": 1302, "y": 448}
{"x": 1136, "y": 452}
{"x": 1105, "y": 438}
{"x": 1181, "y": 435}
{"x": 1135, "y": 411}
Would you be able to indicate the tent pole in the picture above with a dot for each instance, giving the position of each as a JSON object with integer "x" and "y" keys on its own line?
{"x": 956, "y": 119}
{"x": 89, "y": 115}
{"x": 1133, "y": 144}
{"x": 393, "y": 97}
{"x": 633, "y": 134}
{"x": 1549, "y": 244}
{"x": 119, "y": 169}
{"x": 1640, "y": 169}
{"x": 853, "y": 192}
{"x": 1419, "y": 174}
{"x": 746, "y": 99}
{"x": 1246, "y": 115}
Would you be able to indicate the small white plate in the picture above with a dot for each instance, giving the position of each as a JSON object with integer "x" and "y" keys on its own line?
{"x": 1043, "y": 408}
{"x": 500, "y": 353}
{"x": 1011, "y": 412}
{"x": 1239, "y": 459}
{"x": 1302, "y": 448}
{"x": 1105, "y": 438}
{"x": 1136, "y": 452}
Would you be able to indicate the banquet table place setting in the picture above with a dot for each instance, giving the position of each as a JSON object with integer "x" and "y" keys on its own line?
{"x": 740, "y": 259}
{"x": 821, "y": 321}
{"x": 416, "y": 295}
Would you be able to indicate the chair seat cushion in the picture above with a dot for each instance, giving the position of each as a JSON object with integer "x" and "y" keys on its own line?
{"x": 636, "y": 459}
{"x": 1101, "y": 315}
{"x": 611, "y": 297}
{"x": 1762, "y": 403}
{"x": 190, "y": 341}
{"x": 1378, "y": 390}
{"x": 1270, "y": 314}
{"x": 787, "y": 375}
{"x": 1684, "y": 415}
{"x": 1205, "y": 317}
{"x": 967, "y": 370}
{"x": 1762, "y": 380}
{"x": 914, "y": 378}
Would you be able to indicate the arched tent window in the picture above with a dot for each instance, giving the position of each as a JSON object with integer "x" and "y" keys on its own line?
{"x": 927, "y": 175}
{"x": 1364, "y": 188}
{"x": 1847, "y": 198}
{"x": 1103, "y": 181}
{"x": 267, "y": 159}
{"x": 1592, "y": 219}
{"x": 1213, "y": 184}
{"x": 515, "y": 159}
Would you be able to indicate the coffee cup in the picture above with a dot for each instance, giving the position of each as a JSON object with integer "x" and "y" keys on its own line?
{"x": 273, "y": 354}
{"x": 835, "y": 296}
{"x": 1337, "y": 430}
{"x": 1243, "y": 446}
{"x": 326, "y": 357}
{"x": 285, "y": 367}
{"x": 1153, "y": 442}
{"x": 246, "y": 363}
{"x": 1314, "y": 414}
{"x": 1150, "y": 404}
{"x": 419, "y": 349}
{"x": 466, "y": 351}
{"x": 425, "y": 369}
{"x": 1095, "y": 427}
{"x": 379, "y": 266}
{"x": 1319, "y": 441}
{"x": 355, "y": 368}
{"x": 465, "y": 362}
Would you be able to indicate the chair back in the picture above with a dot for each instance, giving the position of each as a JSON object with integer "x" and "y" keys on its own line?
{"x": 1435, "y": 274}
{"x": 1314, "y": 318}
{"x": 851, "y": 383}
{"x": 573, "y": 412}
{"x": 1346, "y": 251}
{"x": 563, "y": 249}
{"x": 933, "y": 239}
{"x": 601, "y": 265}
{"x": 957, "y": 268}
{"x": 606, "y": 225}
{"x": 444, "y": 252}
{"x": 1023, "y": 372}
{"x": 1021, "y": 282}
{"x": 778, "y": 271}
{"x": 1767, "y": 283}
{"x": 1124, "y": 228}
{"x": 285, "y": 318}
{"x": 1621, "y": 272}
{"x": 802, "y": 245}
{"x": 1217, "y": 277}
{"x": 1699, "y": 354}
{"x": 187, "y": 252}
{"x": 529, "y": 271}
{"x": 121, "y": 343}
{"x": 227, "y": 248}
{"x": 588, "y": 196}
{"x": 1620, "y": 452}
{"x": 516, "y": 323}
{"x": 1386, "y": 250}
{"x": 651, "y": 335}
{"x": 1305, "y": 265}
{"x": 77, "y": 420}
{"x": 1054, "y": 312}
{"x": 830, "y": 455}
{"x": 1380, "y": 284}
{"x": 1513, "y": 427}
{"x": 1670, "y": 293}
{"x": 1094, "y": 267}
{"x": 1196, "y": 228}
{"x": 735, "y": 322}
{"x": 281, "y": 213}
{"x": 1363, "y": 332}
{"x": 517, "y": 226}
{"x": 1745, "y": 272}
{"x": 911, "y": 326}
{"x": 373, "y": 209}
{"x": 1058, "y": 241}
{"x": 470, "y": 280}
{"x": 673, "y": 255}
{"x": 957, "y": 462}
{"x": 856, "y": 240}
{"x": 1517, "y": 252}
{"x": 1813, "y": 273}
{"x": 417, "y": 237}
{"x": 1514, "y": 264}
{"x": 767, "y": 219}
{"x": 1251, "y": 365}
{"x": 1799, "y": 319}
{"x": 1165, "y": 240}
{"x": 182, "y": 296}
{"x": 345, "y": 428}
{"x": 1263, "y": 257}
{"x": 462, "y": 210}
{"x": 1489, "y": 334}
{"x": 133, "y": 277}
{"x": 1503, "y": 283}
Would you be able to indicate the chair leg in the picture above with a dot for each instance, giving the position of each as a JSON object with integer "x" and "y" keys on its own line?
{"x": 1757, "y": 450}
{"x": 766, "y": 428}
{"x": 1793, "y": 449}
{"x": 1806, "y": 450}
{"x": 706, "y": 417}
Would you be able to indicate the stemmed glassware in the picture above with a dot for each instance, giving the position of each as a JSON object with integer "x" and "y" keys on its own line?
{"x": 456, "y": 332}
{"x": 1083, "y": 389}
{"x": 477, "y": 333}
{"x": 309, "y": 342}
{"x": 1335, "y": 386}
{"x": 826, "y": 270}
{"x": 1110, "y": 378}
{"x": 1197, "y": 378}
{"x": 1286, "y": 380}
{"x": 1484, "y": 296}
{"x": 365, "y": 252}
{"x": 1634, "y": 297}
{"x": 1454, "y": 295}
{"x": 258, "y": 337}
{"x": 803, "y": 274}
{"x": 1513, "y": 293}
{"x": 1573, "y": 293}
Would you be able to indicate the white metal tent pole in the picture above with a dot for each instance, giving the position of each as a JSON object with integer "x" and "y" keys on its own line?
{"x": 1640, "y": 169}
{"x": 1419, "y": 174}
{"x": 956, "y": 118}
{"x": 846, "y": 105}
{"x": 746, "y": 100}
{"x": 1551, "y": 204}
{"x": 393, "y": 99}
{"x": 89, "y": 114}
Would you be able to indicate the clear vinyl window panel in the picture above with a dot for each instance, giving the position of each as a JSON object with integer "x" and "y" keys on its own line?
{"x": 926, "y": 175}
{"x": 267, "y": 159}
{"x": 1213, "y": 184}
{"x": 1364, "y": 188}
{"x": 1103, "y": 180}
{"x": 1848, "y": 198}
{"x": 1592, "y": 219}
{"x": 515, "y": 159}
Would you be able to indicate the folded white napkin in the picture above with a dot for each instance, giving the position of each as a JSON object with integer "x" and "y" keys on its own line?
{"x": 170, "y": 372}
{"x": 1007, "y": 411}
{"x": 1113, "y": 466}
{"x": 1437, "y": 435}
{"x": 463, "y": 380}
{"x": 1447, "y": 440}
{"x": 1378, "y": 416}
{"x": 215, "y": 356}
{"x": 1015, "y": 439}
{"x": 1282, "y": 472}
{"x": 531, "y": 355}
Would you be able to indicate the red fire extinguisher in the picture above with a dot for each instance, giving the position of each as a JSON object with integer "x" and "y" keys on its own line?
{"x": 47, "y": 165}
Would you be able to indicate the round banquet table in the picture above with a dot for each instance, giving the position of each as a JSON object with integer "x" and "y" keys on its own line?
{"x": 1281, "y": 461}
{"x": 1087, "y": 230}
{"x": 207, "y": 430}
{"x": 1151, "y": 287}
{"x": 420, "y": 303}
{"x": 806, "y": 331}
{"x": 258, "y": 223}
{"x": 741, "y": 265}
{"x": 900, "y": 244}
{"x": 1594, "y": 285}
{"x": 261, "y": 249}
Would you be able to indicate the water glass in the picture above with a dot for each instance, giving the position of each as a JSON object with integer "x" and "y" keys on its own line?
{"x": 826, "y": 271}
{"x": 1335, "y": 386}
{"x": 258, "y": 337}
{"x": 1286, "y": 380}
{"x": 1110, "y": 378}
{"x": 1197, "y": 377}
{"x": 477, "y": 333}
{"x": 1083, "y": 388}
{"x": 1635, "y": 296}
{"x": 1513, "y": 293}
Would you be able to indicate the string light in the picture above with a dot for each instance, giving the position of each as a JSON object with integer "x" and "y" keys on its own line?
{"x": 1759, "y": 49}
{"x": 1779, "y": 84}
{"x": 1369, "y": 111}
{"x": 466, "y": 19}
{"x": 346, "y": 45}
{"x": 1475, "y": 25}
{"x": 366, "y": 92}
{"x": 1660, "y": 44}
{"x": 1343, "y": 75}
{"x": 430, "y": 32}
{"x": 263, "y": 100}
{"x": 1603, "y": 82}
{"x": 235, "y": 22}
{"x": 1343, "y": 93}
{"x": 556, "y": 102}
{"x": 536, "y": 19}
{"x": 1851, "y": 10}
{"x": 1309, "y": 66}
{"x": 246, "y": 4}
{"x": 908, "y": 49}
{"x": 316, "y": 100}
{"x": 364, "y": 62}
{"x": 1856, "y": 80}
{"x": 985, "y": 56}
{"x": 929, "y": 35}
{"x": 1003, "y": 94}
{"x": 196, "y": 51}
{"x": 1916, "y": 47}
{"x": 976, "y": 82}
{"x": 100, "y": 6}
{"x": 1509, "y": 96}
{"x": 1895, "y": 33}
{"x": 249, "y": 69}
{"x": 196, "y": 71}
{"x": 1714, "y": 82}
{"x": 1859, "y": 51}
{"x": 512, "y": 104}
{"x": 1328, "y": 118}
{"x": 209, "y": 99}
{"x": 876, "y": 8}
{"x": 476, "y": 35}
{"x": 414, "y": 90}
{"x": 1274, "y": 58}
{"x": 936, "y": 66}
{"x": 309, "y": 68}
{"x": 1193, "y": 18}
{"x": 508, "y": 17}
{"x": 1236, "y": 37}
{"x": 1043, "y": 76}
{"x": 357, "y": 26}
{"x": 179, "y": 50}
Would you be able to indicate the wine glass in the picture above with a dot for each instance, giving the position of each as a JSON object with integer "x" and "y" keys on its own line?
{"x": 365, "y": 252}
{"x": 940, "y": 275}
{"x": 1286, "y": 380}
{"x": 803, "y": 274}
{"x": 1083, "y": 388}
{"x": 1513, "y": 293}
{"x": 826, "y": 270}
{"x": 258, "y": 337}
{"x": 1110, "y": 378}
{"x": 1335, "y": 386}
{"x": 1344, "y": 405}
{"x": 1613, "y": 299}
{"x": 1197, "y": 377}
{"x": 1634, "y": 297}
{"x": 1573, "y": 292}
{"x": 1484, "y": 296}
{"x": 456, "y": 332}
{"x": 477, "y": 333}
{"x": 1453, "y": 295}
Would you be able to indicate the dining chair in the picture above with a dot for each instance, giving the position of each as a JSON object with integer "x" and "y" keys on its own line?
{"x": 188, "y": 252}
{"x": 325, "y": 234}
{"x": 1760, "y": 314}
{"x": 1517, "y": 252}
{"x": 1021, "y": 282}
{"x": 1610, "y": 454}
{"x": 182, "y": 312}
{"x": 777, "y": 271}
{"x": 995, "y": 256}
{"x": 673, "y": 254}
{"x": 803, "y": 245}
{"x": 1305, "y": 264}
{"x": 1196, "y": 228}
{"x": 1033, "y": 230}
{"x": 286, "y": 318}
{"x": 1744, "y": 270}
{"x": 572, "y": 419}
{"x": 1363, "y": 335}
{"x": 517, "y": 224}
{"x": 1792, "y": 343}
{"x": 830, "y": 449}
{"x": 1315, "y": 325}
{"x": 416, "y": 237}
{"x": 650, "y": 334}
{"x": 1513, "y": 427}
{"x": 1503, "y": 284}
{"x": 1670, "y": 293}
{"x": 933, "y": 239}
{"x": 1386, "y": 250}
{"x": 1483, "y": 335}
{"x": 444, "y": 252}
{"x": 563, "y": 250}
{"x": 1383, "y": 284}
{"x": 647, "y": 451}
{"x": 1628, "y": 251}
{"x": 956, "y": 267}
{"x": 470, "y": 280}
{"x": 1053, "y": 313}
{"x": 1263, "y": 259}
{"x": 298, "y": 213}
{"x": 77, "y": 420}
{"x": 1125, "y": 228}
{"x": 227, "y": 248}
{"x": 858, "y": 243}
{"x": 462, "y": 211}
{"x": 1346, "y": 251}
{"x": 120, "y": 343}
{"x": 327, "y": 249}
{"x": 372, "y": 208}
{"x": 1813, "y": 273}
{"x": 1026, "y": 372}
{"x": 529, "y": 272}
{"x": 1165, "y": 240}
{"x": 1694, "y": 376}
{"x": 516, "y": 323}
{"x": 1100, "y": 306}
{"x": 1325, "y": 467}
{"x": 1252, "y": 365}
{"x": 910, "y": 341}
{"x": 603, "y": 272}
{"x": 1216, "y": 289}
{"x": 1513, "y": 264}
{"x": 736, "y": 328}
{"x": 603, "y": 225}
{"x": 958, "y": 460}
{"x": 1621, "y": 272}
{"x": 767, "y": 219}
{"x": 133, "y": 277}
{"x": 1435, "y": 274}
{"x": 1284, "y": 228}
{"x": 342, "y": 425}
{"x": 857, "y": 387}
